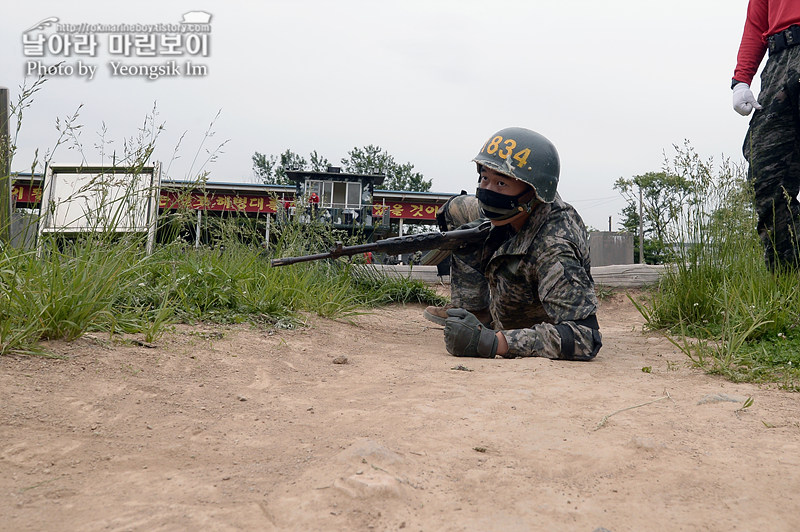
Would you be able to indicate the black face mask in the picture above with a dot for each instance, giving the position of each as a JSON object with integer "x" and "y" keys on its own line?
{"x": 496, "y": 206}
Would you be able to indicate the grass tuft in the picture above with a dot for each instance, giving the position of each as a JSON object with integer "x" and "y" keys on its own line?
{"x": 718, "y": 303}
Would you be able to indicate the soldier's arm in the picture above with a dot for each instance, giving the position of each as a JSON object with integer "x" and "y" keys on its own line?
{"x": 568, "y": 298}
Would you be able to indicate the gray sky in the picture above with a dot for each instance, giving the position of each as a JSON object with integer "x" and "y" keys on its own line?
{"x": 613, "y": 84}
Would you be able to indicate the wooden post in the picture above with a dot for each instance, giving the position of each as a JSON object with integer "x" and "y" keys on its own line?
{"x": 197, "y": 235}
{"x": 400, "y": 233}
{"x": 641, "y": 228}
{"x": 5, "y": 170}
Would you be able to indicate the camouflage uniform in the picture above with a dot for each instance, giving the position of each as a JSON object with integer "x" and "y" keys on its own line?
{"x": 537, "y": 283}
{"x": 772, "y": 147}
{"x": 457, "y": 212}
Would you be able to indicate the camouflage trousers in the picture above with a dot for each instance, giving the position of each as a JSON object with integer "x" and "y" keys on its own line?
{"x": 772, "y": 149}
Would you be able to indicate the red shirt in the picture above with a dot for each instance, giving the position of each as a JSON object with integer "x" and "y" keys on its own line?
{"x": 764, "y": 18}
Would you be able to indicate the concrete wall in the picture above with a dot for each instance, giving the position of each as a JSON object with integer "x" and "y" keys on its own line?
{"x": 608, "y": 248}
{"x": 23, "y": 229}
{"x": 613, "y": 276}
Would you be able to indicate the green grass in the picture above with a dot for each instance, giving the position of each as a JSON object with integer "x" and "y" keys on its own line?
{"x": 110, "y": 285}
{"x": 718, "y": 302}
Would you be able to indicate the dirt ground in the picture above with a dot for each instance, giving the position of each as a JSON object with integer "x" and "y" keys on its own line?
{"x": 371, "y": 425}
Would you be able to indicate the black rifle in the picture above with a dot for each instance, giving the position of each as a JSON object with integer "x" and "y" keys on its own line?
{"x": 447, "y": 240}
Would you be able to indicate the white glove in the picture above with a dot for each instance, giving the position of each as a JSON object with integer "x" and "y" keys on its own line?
{"x": 743, "y": 100}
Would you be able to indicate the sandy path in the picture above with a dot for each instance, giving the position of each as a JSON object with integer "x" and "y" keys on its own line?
{"x": 239, "y": 429}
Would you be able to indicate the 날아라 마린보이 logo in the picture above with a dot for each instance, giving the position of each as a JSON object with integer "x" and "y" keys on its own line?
{"x": 149, "y": 51}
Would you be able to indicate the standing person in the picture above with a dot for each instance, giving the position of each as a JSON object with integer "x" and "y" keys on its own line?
{"x": 527, "y": 290}
{"x": 772, "y": 144}
{"x": 313, "y": 204}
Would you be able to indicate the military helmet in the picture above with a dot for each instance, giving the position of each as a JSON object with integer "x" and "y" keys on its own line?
{"x": 525, "y": 155}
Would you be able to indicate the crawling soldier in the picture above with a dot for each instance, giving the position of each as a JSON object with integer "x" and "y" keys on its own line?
{"x": 527, "y": 290}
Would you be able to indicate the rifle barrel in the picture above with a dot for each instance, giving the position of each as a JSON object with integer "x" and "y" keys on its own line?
{"x": 398, "y": 244}
{"x": 285, "y": 261}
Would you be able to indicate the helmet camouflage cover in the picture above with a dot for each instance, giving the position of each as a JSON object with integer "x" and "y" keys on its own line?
{"x": 525, "y": 155}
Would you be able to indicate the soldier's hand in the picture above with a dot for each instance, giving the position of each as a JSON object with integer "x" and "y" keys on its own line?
{"x": 743, "y": 100}
{"x": 466, "y": 336}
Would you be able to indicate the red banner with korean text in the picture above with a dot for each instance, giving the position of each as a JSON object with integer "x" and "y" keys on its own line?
{"x": 26, "y": 193}
{"x": 31, "y": 193}
{"x": 218, "y": 202}
{"x": 408, "y": 211}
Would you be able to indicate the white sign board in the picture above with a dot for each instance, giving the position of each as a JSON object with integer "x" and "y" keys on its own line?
{"x": 107, "y": 199}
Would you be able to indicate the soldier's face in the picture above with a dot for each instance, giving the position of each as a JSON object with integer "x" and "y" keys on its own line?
{"x": 497, "y": 182}
{"x": 508, "y": 186}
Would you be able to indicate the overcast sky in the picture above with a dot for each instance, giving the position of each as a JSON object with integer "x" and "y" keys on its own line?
{"x": 614, "y": 85}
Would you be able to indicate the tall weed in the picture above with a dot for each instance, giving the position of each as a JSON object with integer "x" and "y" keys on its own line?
{"x": 719, "y": 290}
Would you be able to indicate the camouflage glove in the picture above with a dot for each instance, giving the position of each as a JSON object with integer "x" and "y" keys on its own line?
{"x": 466, "y": 336}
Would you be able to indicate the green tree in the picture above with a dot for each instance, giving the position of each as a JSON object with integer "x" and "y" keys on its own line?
{"x": 318, "y": 162}
{"x": 272, "y": 169}
{"x": 373, "y": 159}
{"x": 665, "y": 196}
